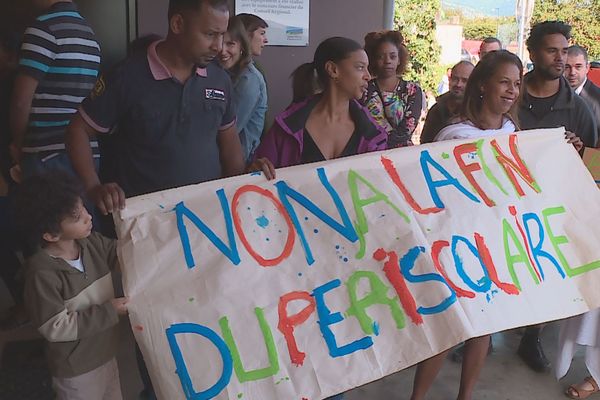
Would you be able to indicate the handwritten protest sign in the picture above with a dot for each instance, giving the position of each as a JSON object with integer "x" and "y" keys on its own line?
{"x": 337, "y": 274}
{"x": 591, "y": 159}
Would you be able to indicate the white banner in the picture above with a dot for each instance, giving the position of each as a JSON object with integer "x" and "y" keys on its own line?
{"x": 288, "y": 19}
{"x": 337, "y": 274}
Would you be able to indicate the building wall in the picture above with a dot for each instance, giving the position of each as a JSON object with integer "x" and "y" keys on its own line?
{"x": 350, "y": 18}
{"x": 152, "y": 17}
{"x": 449, "y": 37}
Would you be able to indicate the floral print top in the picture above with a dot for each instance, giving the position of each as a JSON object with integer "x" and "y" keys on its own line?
{"x": 398, "y": 112}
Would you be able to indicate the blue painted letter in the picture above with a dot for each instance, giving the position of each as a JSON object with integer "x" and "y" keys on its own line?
{"x": 345, "y": 228}
{"x": 484, "y": 284}
{"x": 230, "y": 252}
{"x": 182, "y": 371}
{"x": 407, "y": 262}
{"x": 537, "y": 251}
{"x": 326, "y": 318}
{"x": 426, "y": 160}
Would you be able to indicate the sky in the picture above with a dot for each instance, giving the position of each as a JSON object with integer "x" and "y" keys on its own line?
{"x": 483, "y": 7}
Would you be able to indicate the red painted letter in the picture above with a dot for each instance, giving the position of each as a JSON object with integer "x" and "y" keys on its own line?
{"x": 289, "y": 244}
{"x": 436, "y": 249}
{"x": 288, "y": 323}
{"x": 468, "y": 169}
{"x": 486, "y": 258}
{"x": 517, "y": 165}
{"x": 393, "y": 173}
{"x": 391, "y": 268}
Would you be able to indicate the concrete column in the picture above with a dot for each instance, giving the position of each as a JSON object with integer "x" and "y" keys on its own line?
{"x": 388, "y": 14}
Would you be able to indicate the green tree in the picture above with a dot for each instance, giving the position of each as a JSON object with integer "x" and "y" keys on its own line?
{"x": 480, "y": 28}
{"x": 416, "y": 21}
{"x": 582, "y": 15}
{"x": 447, "y": 13}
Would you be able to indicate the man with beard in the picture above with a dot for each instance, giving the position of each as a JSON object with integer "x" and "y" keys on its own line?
{"x": 576, "y": 72}
{"x": 549, "y": 102}
{"x": 448, "y": 105}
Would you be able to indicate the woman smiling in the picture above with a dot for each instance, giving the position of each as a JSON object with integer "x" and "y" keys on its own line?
{"x": 250, "y": 90}
{"x": 491, "y": 95}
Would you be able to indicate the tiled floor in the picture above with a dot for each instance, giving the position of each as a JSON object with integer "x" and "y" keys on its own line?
{"x": 504, "y": 376}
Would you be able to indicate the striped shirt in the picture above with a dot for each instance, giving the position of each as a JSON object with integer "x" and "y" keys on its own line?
{"x": 60, "y": 51}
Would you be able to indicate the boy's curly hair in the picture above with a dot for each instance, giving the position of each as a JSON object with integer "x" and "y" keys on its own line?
{"x": 42, "y": 202}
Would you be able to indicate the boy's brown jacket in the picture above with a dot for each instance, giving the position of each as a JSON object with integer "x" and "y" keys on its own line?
{"x": 72, "y": 309}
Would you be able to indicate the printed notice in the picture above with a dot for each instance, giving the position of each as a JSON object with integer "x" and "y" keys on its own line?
{"x": 288, "y": 19}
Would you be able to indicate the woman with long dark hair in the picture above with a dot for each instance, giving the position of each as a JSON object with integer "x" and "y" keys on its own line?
{"x": 333, "y": 123}
{"x": 249, "y": 87}
{"x": 489, "y": 103}
{"x": 395, "y": 104}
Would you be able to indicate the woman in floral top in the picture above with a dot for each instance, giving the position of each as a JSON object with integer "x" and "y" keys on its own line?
{"x": 394, "y": 103}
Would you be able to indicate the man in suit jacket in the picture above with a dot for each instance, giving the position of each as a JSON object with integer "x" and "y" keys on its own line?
{"x": 576, "y": 71}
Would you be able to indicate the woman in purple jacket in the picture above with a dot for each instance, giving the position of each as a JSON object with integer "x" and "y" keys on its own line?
{"x": 333, "y": 123}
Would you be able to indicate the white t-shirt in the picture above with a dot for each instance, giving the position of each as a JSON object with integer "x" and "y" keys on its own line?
{"x": 77, "y": 264}
{"x": 466, "y": 130}
{"x": 580, "y": 88}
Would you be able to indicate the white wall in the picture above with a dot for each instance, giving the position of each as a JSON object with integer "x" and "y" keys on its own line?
{"x": 449, "y": 37}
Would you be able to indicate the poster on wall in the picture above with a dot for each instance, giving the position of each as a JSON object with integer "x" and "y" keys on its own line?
{"x": 339, "y": 273}
{"x": 288, "y": 19}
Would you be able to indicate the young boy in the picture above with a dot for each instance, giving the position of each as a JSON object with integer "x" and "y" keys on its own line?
{"x": 68, "y": 288}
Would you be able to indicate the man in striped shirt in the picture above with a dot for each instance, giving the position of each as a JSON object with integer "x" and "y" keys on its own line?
{"x": 59, "y": 64}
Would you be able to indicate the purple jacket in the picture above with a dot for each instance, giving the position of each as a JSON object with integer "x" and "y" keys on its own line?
{"x": 283, "y": 143}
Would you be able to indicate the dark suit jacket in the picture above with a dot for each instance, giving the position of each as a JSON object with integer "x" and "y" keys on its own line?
{"x": 591, "y": 94}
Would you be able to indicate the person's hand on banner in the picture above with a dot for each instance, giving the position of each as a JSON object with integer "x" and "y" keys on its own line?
{"x": 264, "y": 165}
{"x": 16, "y": 174}
{"x": 108, "y": 197}
{"x": 120, "y": 305}
{"x": 574, "y": 140}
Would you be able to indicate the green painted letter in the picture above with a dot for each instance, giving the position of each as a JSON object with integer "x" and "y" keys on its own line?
{"x": 242, "y": 374}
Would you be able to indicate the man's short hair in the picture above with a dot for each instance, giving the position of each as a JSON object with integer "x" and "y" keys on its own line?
{"x": 578, "y": 51}
{"x": 491, "y": 39}
{"x": 538, "y": 31}
{"x": 463, "y": 62}
{"x": 42, "y": 202}
{"x": 179, "y": 6}
{"x": 252, "y": 22}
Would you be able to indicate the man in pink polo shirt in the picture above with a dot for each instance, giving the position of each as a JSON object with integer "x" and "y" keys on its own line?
{"x": 173, "y": 109}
